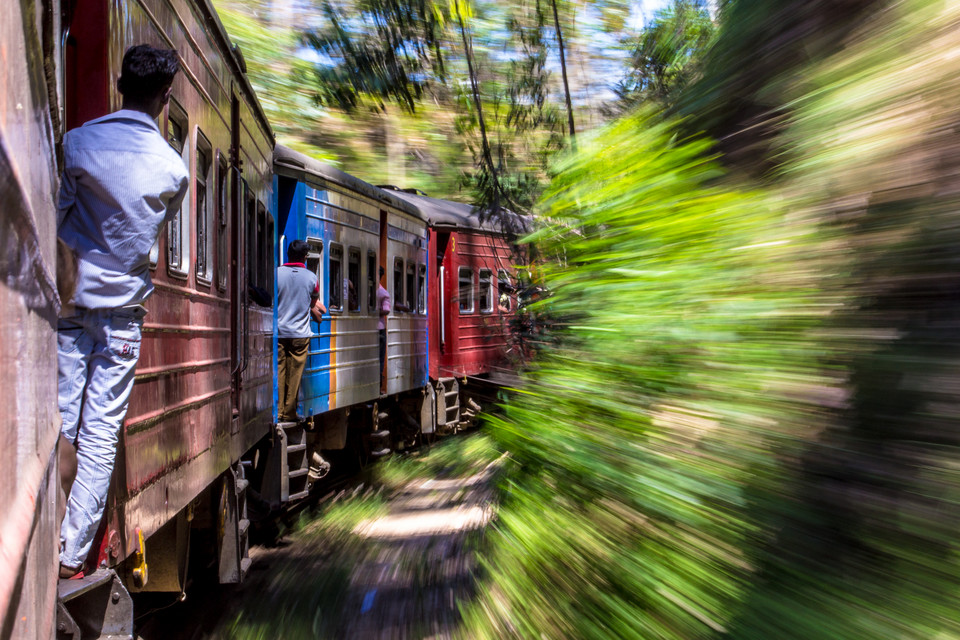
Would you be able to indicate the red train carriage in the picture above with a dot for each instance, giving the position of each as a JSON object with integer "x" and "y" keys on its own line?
{"x": 29, "y": 422}
{"x": 472, "y": 303}
{"x": 204, "y": 386}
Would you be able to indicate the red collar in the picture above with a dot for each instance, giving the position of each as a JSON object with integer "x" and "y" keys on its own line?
{"x": 295, "y": 264}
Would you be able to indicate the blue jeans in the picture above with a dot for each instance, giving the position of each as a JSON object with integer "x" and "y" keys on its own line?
{"x": 97, "y": 352}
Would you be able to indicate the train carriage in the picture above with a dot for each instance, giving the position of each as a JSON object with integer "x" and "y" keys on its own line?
{"x": 203, "y": 392}
{"x": 355, "y": 229}
{"x": 406, "y": 243}
{"x": 472, "y": 302}
{"x": 29, "y": 422}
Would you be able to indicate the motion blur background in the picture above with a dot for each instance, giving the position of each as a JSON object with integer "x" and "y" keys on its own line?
{"x": 745, "y": 421}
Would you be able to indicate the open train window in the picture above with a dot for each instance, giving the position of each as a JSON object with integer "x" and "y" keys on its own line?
{"x": 353, "y": 279}
{"x": 411, "y": 287}
{"x": 372, "y": 277}
{"x": 486, "y": 291}
{"x": 315, "y": 261}
{"x": 335, "y": 282}
{"x": 505, "y": 289}
{"x": 178, "y": 232}
{"x": 422, "y": 289}
{"x": 200, "y": 181}
{"x": 465, "y": 278}
{"x": 222, "y": 206}
{"x": 397, "y": 283}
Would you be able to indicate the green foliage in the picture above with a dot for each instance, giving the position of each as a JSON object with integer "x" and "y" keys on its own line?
{"x": 379, "y": 50}
{"x": 868, "y": 548}
{"x": 748, "y": 430}
{"x": 278, "y": 75}
{"x": 637, "y": 440}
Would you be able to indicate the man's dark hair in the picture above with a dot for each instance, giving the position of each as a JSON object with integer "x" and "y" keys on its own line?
{"x": 146, "y": 72}
{"x": 297, "y": 251}
{"x": 382, "y": 271}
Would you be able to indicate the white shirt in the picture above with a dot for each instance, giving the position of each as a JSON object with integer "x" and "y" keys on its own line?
{"x": 121, "y": 183}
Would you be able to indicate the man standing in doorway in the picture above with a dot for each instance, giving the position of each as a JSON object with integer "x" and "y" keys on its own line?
{"x": 298, "y": 299}
{"x": 383, "y": 308}
{"x": 121, "y": 183}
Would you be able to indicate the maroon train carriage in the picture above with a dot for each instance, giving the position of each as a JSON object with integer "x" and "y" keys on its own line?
{"x": 472, "y": 304}
{"x": 204, "y": 388}
{"x": 29, "y": 421}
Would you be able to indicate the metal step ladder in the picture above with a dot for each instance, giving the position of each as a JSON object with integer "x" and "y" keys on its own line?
{"x": 448, "y": 405}
{"x": 380, "y": 439}
{"x": 235, "y": 543}
{"x": 297, "y": 468}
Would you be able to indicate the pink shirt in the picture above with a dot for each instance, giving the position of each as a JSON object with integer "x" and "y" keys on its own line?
{"x": 383, "y": 304}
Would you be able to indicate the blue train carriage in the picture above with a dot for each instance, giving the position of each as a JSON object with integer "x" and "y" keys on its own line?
{"x": 354, "y": 229}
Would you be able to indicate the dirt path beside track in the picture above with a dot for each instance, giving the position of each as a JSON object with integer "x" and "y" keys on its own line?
{"x": 395, "y": 567}
{"x": 419, "y": 562}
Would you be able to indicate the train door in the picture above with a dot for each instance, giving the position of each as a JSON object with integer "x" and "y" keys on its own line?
{"x": 239, "y": 189}
{"x": 441, "y": 275}
{"x": 383, "y": 282}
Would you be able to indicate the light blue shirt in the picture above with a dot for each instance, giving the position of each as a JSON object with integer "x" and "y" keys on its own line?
{"x": 297, "y": 288}
{"x": 121, "y": 183}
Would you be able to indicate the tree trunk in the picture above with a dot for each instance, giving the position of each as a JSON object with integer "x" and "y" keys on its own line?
{"x": 563, "y": 70}
{"x": 475, "y": 87}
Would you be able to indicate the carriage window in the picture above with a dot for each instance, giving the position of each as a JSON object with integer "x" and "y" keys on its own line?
{"x": 203, "y": 211}
{"x": 221, "y": 221}
{"x": 262, "y": 263}
{"x": 486, "y": 291}
{"x": 178, "y": 259}
{"x": 251, "y": 222}
{"x": 335, "y": 283}
{"x": 371, "y": 280}
{"x": 411, "y": 287}
{"x": 315, "y": 262}
{"x": 269, "y": 268}
{"x": 422, "y": 289}
{"x": 176, "y": 126}
{"x": 353, "y": 280}
{"x": 397, "y": 283}
{"x": 466, "y": 290}
{"x": 504, "y": 288}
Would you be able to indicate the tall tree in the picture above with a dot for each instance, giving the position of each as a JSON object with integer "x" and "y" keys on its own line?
{"x": 563, "y": 70}
{"x": 461, "y": 9}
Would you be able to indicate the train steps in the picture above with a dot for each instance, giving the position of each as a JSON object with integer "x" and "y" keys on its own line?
{"x": 448, "y": 405}
{"x": 296, "y": 475}
{"x": 235, "y": 522}
{"x": 95, "y": 606}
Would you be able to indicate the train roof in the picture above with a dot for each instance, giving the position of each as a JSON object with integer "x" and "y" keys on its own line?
{"x": 447, "y": 213}
{"x": 294, "y": 164}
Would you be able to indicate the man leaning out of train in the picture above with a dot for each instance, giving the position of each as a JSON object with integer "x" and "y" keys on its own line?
{"x": 298, "y": 299}
{"x": 121, "y": 184}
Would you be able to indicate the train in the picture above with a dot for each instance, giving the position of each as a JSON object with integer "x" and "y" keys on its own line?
{"x": 202, "y": 453}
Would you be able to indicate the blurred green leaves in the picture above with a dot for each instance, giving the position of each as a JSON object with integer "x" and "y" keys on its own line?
{"x": 637, "y": 440}
{"x": 749, "y": 428}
